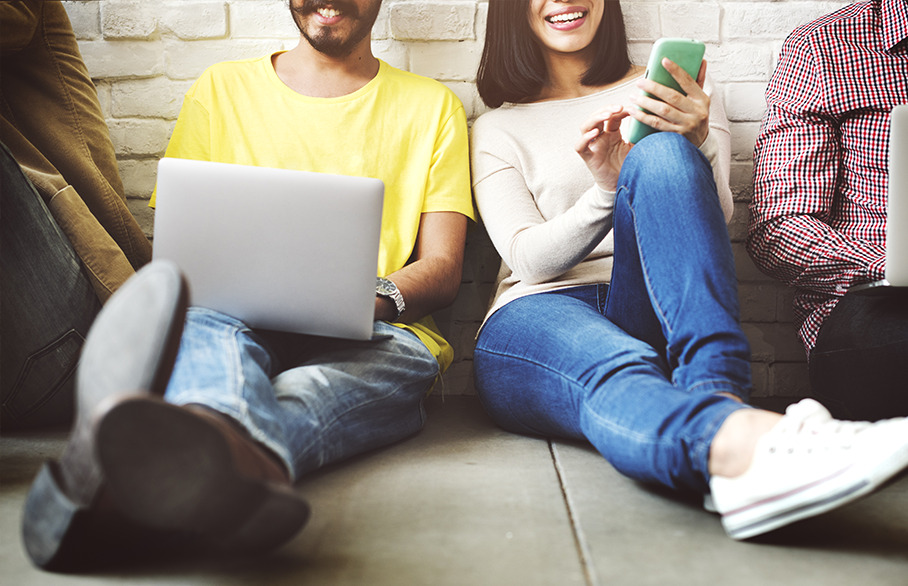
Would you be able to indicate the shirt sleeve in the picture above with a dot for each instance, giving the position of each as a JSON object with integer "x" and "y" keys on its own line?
{"x": 534, "y": 249}
{"x": 796, "y": 168}
{"x": 448, "y": 188}
{"x": 717, "y": 148}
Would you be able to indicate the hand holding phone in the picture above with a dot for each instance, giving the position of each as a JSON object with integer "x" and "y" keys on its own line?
{"x": 688, "y": 54}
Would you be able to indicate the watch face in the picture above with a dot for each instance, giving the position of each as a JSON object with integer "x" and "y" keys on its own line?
{"x": 385, "y": 287}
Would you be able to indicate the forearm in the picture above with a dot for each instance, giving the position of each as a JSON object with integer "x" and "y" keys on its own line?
{"x": 535, "y": 249}
{"x": 426, "y": 285}
{"x": 546, "y": 251}
{"x": 805, "y": 252}
{"x": 431, "y": 281}
{"x": 796, "y": 194}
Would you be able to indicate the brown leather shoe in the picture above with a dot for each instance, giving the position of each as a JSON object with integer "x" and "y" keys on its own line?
{"x": 187, "y": 469}
{"x": 252, "y": 459}
{"x": 130, "y": 349}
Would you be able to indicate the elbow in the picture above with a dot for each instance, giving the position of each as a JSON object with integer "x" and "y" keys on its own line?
{"x": 448, "y": 285}
{"x": 526, "y": 264}
{"x": 762, "y": 246}
{"x": 532, "y": 276}
{"x": 755, "y": 241}
{"x": 533, "y": 279}
{"x": 448, "y": 294}
{"x": 728, "y": 210}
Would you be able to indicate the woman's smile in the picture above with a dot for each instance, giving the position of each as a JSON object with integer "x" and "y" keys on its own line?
{"x": 567, "y": 19}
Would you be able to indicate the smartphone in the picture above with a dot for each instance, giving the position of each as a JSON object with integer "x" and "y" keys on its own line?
{"x": 688, "y": 53}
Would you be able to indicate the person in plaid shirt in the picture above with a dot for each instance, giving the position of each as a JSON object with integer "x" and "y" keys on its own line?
{"x": 818, "y": 215}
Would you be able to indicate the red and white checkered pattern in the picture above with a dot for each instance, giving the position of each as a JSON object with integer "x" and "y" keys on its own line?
{"x": 818, "y": 215}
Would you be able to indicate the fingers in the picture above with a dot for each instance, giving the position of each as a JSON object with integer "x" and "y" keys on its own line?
{"x": 693, "y": 89}
{"x": 672, "y": 111}
{"x": 687, "y": 83}
{"x": 602, "y": 148}
{"x": 694, "y": 125}
{"x": 613, "y": 123}
{"x": 701, "y": 76}
{"x": 681, "y": 112}
{"x": 605, "y": 122}
{"x": 607, "y": 119}
{"x": 586, "y": 140}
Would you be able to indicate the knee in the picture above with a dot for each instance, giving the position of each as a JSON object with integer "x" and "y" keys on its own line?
{"x": 665, "y": 157}
{"x": 664, "y": 146}
{"x": 664, "y": 164}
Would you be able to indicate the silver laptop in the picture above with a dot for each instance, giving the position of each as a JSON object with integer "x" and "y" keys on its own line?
{"x": 896, "y": 271}
{"x": 284, "y": 250}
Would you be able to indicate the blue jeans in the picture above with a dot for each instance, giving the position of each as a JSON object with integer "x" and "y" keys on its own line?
{"x": 310, "y": 400}
{"x": 634, "y": 366}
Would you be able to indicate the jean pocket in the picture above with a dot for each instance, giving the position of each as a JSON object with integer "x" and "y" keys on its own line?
{"x": 46, "y": 377}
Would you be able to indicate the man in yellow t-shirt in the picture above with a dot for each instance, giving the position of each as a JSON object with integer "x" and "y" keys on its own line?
{"x": 246, "y": 413}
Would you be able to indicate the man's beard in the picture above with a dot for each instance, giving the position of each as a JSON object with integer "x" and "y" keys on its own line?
{"x": 328, "y": 41}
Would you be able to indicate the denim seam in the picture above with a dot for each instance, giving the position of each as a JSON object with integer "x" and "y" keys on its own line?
{"x": 700, "y": 446}
{"x": 717, "y": 386}
{"x": 528, "y": 361}
{"x": 247, "y": 421}
{"x": 640, "y": 438}
{"x": 561, "y": 375}
{"x": 646, "y": 278}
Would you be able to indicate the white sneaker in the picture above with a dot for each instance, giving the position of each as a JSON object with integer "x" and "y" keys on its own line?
{"x": 807, "y": 464}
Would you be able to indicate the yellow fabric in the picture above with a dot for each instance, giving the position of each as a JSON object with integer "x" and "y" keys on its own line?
{"x": 407, "y": 130}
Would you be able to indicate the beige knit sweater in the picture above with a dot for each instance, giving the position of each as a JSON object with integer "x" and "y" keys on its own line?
{"x": 542, "y": 210}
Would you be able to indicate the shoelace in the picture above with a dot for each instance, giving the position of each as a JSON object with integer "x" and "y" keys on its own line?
{"x": 808, "y": 427}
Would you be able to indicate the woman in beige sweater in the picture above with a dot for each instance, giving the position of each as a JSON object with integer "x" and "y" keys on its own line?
{"x": 615, "y": 316}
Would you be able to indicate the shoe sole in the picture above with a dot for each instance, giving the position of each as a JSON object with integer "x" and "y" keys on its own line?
{"x": 841, "y": 488}
{"x": 168, "y": 469}
{"x": 56, "y": 518}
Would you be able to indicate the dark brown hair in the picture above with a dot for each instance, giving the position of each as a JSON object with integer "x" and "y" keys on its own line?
{"x": 512, "y": 68}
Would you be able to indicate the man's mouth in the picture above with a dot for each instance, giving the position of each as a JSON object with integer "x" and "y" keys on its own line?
{"x": 327, "y": 9}
{"x": 566, "y": 17}
{"x": 328, "y": 12}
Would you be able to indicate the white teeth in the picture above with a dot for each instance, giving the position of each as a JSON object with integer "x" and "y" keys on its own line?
{"x": 328, "y": 12}
{"x": 566, "y": 17}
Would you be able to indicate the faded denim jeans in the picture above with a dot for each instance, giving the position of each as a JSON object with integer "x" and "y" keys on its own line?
{"x": 310, "y": 400}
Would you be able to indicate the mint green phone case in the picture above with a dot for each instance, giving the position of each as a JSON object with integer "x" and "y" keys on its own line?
{"x": 687, "y": 53}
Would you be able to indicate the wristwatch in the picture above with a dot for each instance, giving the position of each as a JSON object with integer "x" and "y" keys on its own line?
{"x": 387, "y": 288}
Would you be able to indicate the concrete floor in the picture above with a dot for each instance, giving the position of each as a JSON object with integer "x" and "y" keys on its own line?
{"x": 465, "y": 503}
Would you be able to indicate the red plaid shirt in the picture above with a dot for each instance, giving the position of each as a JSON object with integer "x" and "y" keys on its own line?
{"x": 818, "y": 215}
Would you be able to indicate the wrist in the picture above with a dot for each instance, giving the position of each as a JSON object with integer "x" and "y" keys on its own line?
{"x": 385, "y": 310}
{"x": 386, "y": 290}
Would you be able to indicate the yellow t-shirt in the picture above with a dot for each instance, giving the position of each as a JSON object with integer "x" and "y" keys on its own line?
{"x": 407, "y": 130}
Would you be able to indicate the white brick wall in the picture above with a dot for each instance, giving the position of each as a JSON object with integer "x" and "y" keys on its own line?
{"x": 143, "y": 56}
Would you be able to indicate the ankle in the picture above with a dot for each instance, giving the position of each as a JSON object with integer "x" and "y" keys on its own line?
{"x": 732, "y": 448}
